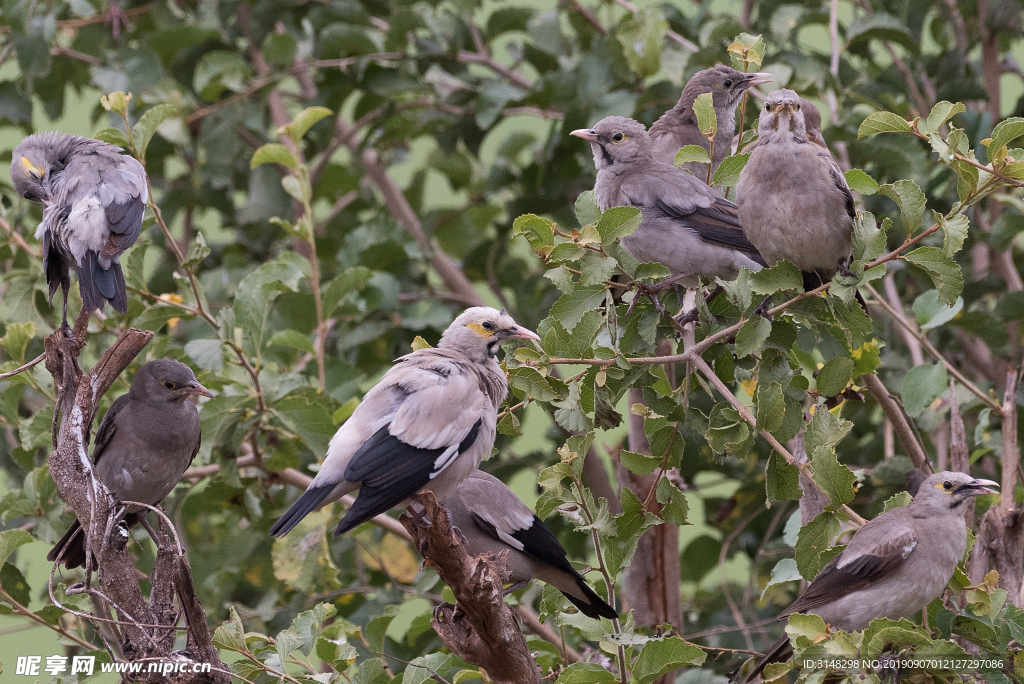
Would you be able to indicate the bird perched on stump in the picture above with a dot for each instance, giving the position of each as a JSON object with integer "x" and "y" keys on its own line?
{"x": 426, "y": 425}
{"x": 492, "y": 519}
{"x": 94, "y": 198}
{"x": 895, "y": 565}
{"x": 686, "y": 226}
{"x": 678, "y": 126}
{"x": 147, "y": 439}
{"x": 794, "y": 202}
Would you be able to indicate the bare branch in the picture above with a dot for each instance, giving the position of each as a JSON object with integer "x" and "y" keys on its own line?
{"x": 899, "y": 421}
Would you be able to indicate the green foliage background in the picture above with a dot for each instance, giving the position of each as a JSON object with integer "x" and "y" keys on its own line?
{"x": 332, "y": 180}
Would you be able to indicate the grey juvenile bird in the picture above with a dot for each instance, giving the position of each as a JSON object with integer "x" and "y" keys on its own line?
{"x": 426, "y": 425}
{"x": 147, "y": 439}
{"x": 94, "y": 199}
{"x": 794, "y": 202}
{"x": 812, "y": 124}
{"x": 678, "y": 126}
{"x": 686, "y": 225}
{"x": 493, "y": 519}
{"x": 895, "y": 565}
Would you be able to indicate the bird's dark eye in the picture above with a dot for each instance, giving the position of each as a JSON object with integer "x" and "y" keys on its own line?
{"x": 767, "y": 107}
{"x": 487, "y": 325}
{"x": 728, "y": 83}
{"x": 947, "y": 485}
{"x": 618, "y": 137}
{"x": 169, "y": 385}
{"x": 798, "y": 106}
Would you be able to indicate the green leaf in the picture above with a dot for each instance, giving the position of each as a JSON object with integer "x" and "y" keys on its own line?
{"x": 114, "y": 136}
{"x": 640, "y": 464}
{"x": 869, "y": 238}
{"x": 861, "y": 182}
{"x": 944, "y": 272}
{"x": 305, "y": 120}
{"x": 231, "y": 634}
{"x": 11, "y": 540}
{"x": 883, "y": 122}
{"x": 880, "y": 26}
{"x": 308, "y": 413}
{"x": 921, "y": 386}
{"x": 910, "y": 200}
{"x": 782, "y": 276}
{"x": 746, "y": 50}
{"x": 834, "y": 376}
{"x": 572, "y": 306}
{"x": 586, "y": 673}
{"x": 642, "y": 36}
{"x": 954, "y": 232}
{"x": 727, "y": 432}
{"x": 148, "y": 123}
{"x": 1005, "y": 132}
{"x": 771, "y": 406}
{"x": 664, "y": 655}
{"x": 15, "y": 341}
{"x": 898, "y": 500}
{"x": 352, "y": 279}
{"x": 618, "y": 222}
{"x": 530, "y": 381}
{"x": 116, "y": 102}
{"x": 940, "y": 114}
{"x": 587, "y": 211}
{"x": 813, "y": 545}
{"x": 851, "y": 318}
{"x": 752, "y": 336}
{"x": 218, "y": 70}
{"x": 784, "y": 571}
{"x": 727, "y": 174}
{"x": 273, "y": 153}
{"x": 833, "y": 477}
{"x": 206, "y": 354}
{"x": 258, "y": 290}
{"x": 707, "y": 120}
{"x": 14, "y": 583}
{"x": 691, "y": 153}
{"x": 825, "y": 430}
{"x": 539, "y": 232}
{"x": 782, "y": 481}
{"x": 931, "y": 313}
{"x": 344, "y": 411}
{"x": 292, "y": 339}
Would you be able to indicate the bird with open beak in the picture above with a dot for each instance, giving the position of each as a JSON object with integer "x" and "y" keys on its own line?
{"x": 895, "y": 565}
{"x": 685, "y": 224}
{"x": 427, "y": 424}
{"x": 678, "y": 126}
{"x": 146, "y": 441}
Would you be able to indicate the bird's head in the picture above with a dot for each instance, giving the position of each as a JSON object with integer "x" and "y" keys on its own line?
{"x": 480, "y": 330}
{"x": 782, "y": 116}
{"x": 166, "y": 381}
{"x": 37, "y": 160}
{"x": 945, "y": 491}
{"x": 725, "y": 84}
{"x": 616, "y": 140}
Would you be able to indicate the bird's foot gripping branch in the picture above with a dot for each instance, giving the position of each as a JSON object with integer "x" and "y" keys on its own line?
{"x": 132, "y": 627}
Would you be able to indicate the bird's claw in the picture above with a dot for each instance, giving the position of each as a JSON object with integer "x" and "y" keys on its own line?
{"x": 844, "y": 270}
{"x": 763, "y": 308}
{"x": 684, "y": 319}
{"x": 649, "y": 291}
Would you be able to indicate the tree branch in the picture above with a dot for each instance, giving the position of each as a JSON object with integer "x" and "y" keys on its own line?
{"x": 899, "y": 421}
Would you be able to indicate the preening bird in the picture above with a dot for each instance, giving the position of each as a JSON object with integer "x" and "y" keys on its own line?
{"x": 685, "y": 225}
{"x": 147, "y": 439}
{"x": 794, "y": 202}
{"x": 426, "y": 425}
{"x": 678, "y": 126}
{"x": 895, "y": 565}
{"x": 94, "y": 199}
{"x": 493, "y": 519}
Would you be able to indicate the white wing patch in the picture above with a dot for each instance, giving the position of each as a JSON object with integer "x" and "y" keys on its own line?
{"x": 444, "y": 460}
{"x": 88, "y": 229}
{"x": 909, "y": 547}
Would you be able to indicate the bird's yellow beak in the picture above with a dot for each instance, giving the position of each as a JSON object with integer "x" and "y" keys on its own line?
{"x": 32, "y": 168}
{"x": 585, "y": 133}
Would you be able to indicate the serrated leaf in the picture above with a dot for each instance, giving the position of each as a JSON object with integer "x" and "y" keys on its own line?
{"x": 587, "y": 211}
{"x": 664, "y": 655}
{"x": 539, "y": 232}
{"x": 944, "y": 272}
{"x": 707, "y": 120}
{"x": 273, "y": 153}
{"x": 11, "y": 540}
{"x": 746, "y": 50}
{"x": 825, "y": 430}
{"x": 898, "y": 500}
{"x": 618, "y": 222}
{"x": 114, "y": 136}
{"x": 883, "y": 122}
{"x": 691, "y": 153}
{"x": 586, "y": 673}
{"x": 292, "y": 339}
{"x": 206, "y": 354}
{"x": 931, "y": 313}
{"x": 921, "y": 386}
{"x": 834, "y": 376}
{"x": 116, "y": 102}
{"x": 813, "y": 545}
{"x": 640, "y": 464}
{"x": 642, "y": 36}
{"x": 835, "y": 479}
{"x": 771, "y": 406}
{"x": 727, "y": 174}
{"x": 572, "y": 306}
{"x": 940, "y": 114}
{"x": 1005, "y": 132}
{"x": 910, "y": 200}
{"x": 305, "y": 120}
{"x": 530, "y": 381}
{"x": 230, "y": 634}
{"x": 784, "y": 571}
{"x": 869, "y": 238}
{"x": 752, "y": 336}
{"x": 861, "y": 182}
{"x": 782, "y": 480}
{"x": 145, "y": 127}
{"x": 954, "y": 232}
{"x": 782, "y": 276}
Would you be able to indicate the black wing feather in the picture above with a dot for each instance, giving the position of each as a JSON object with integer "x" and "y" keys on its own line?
{"x": 108, "y": 426}
{"x": 834, "y": 582}
{"x": 718, "y": 224}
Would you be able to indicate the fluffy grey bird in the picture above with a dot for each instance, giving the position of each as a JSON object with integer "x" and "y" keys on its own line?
{"x": 794, "y": 202}
{"x": 678, "y": 126}
{"x": 895, "y": 565}
{"x": 94, "y": 199}
{"x": 426, "y": 425}
{"x": 493, "y": 519}
{"x": 812, "y": 124}
{"x": 147, "y": 439}
{"x": 685, "y": 225}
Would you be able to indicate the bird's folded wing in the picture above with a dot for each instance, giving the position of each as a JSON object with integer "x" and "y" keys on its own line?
{"x": 533, "y": 538}
{"x": 717, "y": 224}
{"x": 868, "y": 559}
{"x": 839, "y": 179}
{"x": 108, "y": 426}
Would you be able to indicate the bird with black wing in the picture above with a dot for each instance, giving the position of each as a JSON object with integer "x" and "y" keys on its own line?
{"x": 94, "y": 198}
{"x": 427, "y": 424}
{"x": 893, "y": 566}
{"x": 147, "y": 439}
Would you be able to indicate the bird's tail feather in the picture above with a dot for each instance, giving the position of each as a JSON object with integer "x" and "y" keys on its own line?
{"x": 119, "y": 300}
{"x": 591, "y": 604}
{"x": 310, "y": 500}
{"x": 92, "y": 294}
{"x": 780, "y": 651}
{"x": 73, "y": 544}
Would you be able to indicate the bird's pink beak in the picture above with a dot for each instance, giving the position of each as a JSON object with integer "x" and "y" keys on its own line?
{"x": 524, "y": 334}
{"x": 982, "y": 486}
{"x": 196, "y": 388}
{"x": 759, "y": 78}
{"x": 585, "y": 133}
